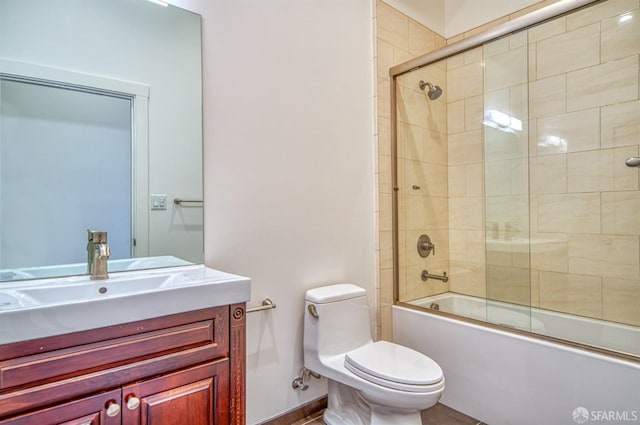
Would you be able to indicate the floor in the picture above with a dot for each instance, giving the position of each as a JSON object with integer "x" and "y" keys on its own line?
{"x": 437, "y": 415}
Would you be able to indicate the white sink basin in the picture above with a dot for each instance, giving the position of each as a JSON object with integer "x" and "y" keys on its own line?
{"x": 10, "y": 300}
{"x": 96, "y": 290}
{"x": 37, "y": 308}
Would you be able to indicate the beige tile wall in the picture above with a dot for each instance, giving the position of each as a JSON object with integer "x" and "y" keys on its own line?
{"x": 466, "y": 173}
{"x": 572, "y": 190}
{"x": 574, "y": 194}
{"x": 583, "y": 197}
{"x": 422, "y": 181}
{"x": 399, "y": 38}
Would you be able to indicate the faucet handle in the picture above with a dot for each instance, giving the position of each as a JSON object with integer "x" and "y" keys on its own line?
{"x": 104, "y": 252}
{"x": 97, "y": 236}
{"x": 425, "y": 246}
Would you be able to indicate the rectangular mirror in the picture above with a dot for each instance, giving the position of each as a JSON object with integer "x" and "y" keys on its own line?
{"x": 100, "y": 128}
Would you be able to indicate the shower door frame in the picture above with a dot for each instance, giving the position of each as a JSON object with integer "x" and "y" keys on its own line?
{"x": 546, "y": 13}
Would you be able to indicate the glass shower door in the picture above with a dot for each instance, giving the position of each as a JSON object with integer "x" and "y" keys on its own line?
{"x": 586, "y": 113}
{"x": 506, "y": 181}
{"x": 529, "y": 158}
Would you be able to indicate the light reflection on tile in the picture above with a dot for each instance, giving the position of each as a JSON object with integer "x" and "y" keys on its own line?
{"x": 621, "y": 37}
{"x": 570, "y": 132}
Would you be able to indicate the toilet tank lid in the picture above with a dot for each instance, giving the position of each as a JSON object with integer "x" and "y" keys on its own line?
{"x": 332, "y": 293}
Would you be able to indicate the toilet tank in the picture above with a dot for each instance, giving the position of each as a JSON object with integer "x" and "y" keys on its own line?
{"x": 342, "y": 324}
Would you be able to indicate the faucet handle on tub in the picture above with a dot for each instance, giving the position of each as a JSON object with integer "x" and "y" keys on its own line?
{"x": 425, "y": 246}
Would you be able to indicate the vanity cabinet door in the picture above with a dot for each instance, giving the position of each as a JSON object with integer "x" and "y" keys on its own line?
{"x": 100, "y": 409}
{"x": 196, "y": 396}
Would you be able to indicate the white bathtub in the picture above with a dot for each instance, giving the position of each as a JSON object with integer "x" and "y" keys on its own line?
{"x": 599, "y": 333}
{"x": 504, "y": 378}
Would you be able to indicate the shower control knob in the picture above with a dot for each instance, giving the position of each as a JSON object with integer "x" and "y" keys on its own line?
{"x": 429, "y": 247}
{"x": 425, "y": 247}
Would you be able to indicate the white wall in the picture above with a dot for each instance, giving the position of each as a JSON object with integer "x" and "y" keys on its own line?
{"x": 289, "y": 174}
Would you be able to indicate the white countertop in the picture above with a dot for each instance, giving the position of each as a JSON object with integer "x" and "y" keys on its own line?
{"x": 39, "y": 308}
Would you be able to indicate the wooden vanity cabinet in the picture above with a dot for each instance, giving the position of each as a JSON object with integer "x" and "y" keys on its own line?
{"x": 182, "y": 369}
{"x": 89, "y": 410}
{"x": 187, "y": 397}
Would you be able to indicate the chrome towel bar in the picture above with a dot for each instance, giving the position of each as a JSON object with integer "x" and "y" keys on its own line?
{"x": 179, "y": 201}
{"x": 267, "y": 304}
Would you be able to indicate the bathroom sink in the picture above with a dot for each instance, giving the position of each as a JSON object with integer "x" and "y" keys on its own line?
{"x": 38, "y": 308}
{"x": 10, "y": 300}
{"x": 54, "y": 294}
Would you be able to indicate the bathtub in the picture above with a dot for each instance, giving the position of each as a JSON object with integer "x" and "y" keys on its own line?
{"x": 599, "y": 333}
{"x": 502, "y": 377}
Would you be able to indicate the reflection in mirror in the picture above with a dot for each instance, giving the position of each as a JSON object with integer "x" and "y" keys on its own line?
{"x": 100, "y": 128}
{"x": 50, "y": 137}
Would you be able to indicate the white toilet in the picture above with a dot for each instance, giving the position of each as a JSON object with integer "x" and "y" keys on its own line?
{"x": 377, "y": 383}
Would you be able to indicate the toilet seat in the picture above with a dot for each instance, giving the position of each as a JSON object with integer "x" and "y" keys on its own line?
{"x": 394, "y": 366}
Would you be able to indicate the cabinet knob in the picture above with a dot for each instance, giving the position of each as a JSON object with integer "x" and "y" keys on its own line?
{"x": 133, "y": 402}
{"x": 113, "y": 409}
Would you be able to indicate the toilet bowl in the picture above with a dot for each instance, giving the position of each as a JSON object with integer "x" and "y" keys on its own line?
{"x": 377, "y": 383}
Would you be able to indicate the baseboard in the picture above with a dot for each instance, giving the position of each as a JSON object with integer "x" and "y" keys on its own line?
{"x": 298, "y": 413}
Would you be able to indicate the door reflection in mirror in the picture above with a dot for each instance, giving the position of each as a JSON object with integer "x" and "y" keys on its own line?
{"x": 65, "y": 158}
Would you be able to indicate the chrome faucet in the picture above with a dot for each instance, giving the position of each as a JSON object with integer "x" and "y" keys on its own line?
{"x": 98, "y": 253}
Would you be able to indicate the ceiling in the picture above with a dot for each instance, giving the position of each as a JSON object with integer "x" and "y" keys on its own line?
{"x": 452, "y": 17}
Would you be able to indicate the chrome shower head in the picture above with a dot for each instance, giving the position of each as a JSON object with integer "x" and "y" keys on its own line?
{"x": 434, "y": 91}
